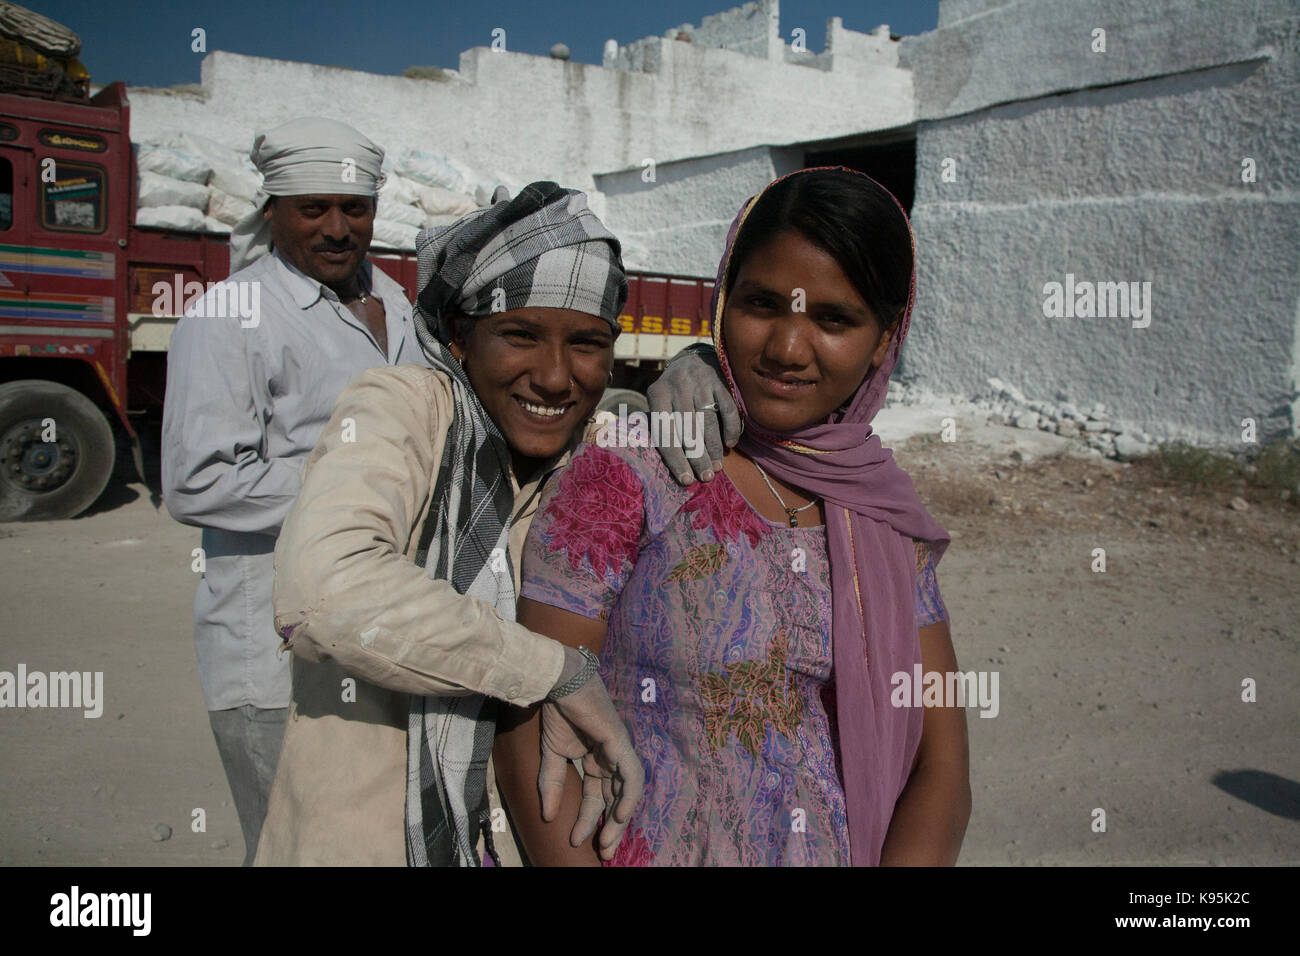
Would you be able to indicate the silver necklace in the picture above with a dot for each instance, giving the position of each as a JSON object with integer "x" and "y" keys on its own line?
{"x": 363, "y": 294}
{"x": 790, "y": 512}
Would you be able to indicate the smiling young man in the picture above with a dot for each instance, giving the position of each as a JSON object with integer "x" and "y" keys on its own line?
{"x": 567, "y": 356}
{"x": 246, "y": 401}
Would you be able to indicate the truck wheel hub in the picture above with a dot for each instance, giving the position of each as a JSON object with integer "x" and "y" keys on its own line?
{"x": 33, "y": 464}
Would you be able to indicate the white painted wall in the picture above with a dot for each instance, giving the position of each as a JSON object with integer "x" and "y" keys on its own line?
{"x": 1117, "y": 166}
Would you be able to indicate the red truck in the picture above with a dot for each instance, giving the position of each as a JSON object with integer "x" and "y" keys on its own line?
{"x": 82, "y": 352}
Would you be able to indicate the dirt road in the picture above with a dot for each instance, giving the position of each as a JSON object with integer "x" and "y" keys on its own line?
{"x": 1120, "y": 691}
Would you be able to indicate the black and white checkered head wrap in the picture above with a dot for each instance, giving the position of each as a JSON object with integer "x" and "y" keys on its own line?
{"x": 542, "y": 248}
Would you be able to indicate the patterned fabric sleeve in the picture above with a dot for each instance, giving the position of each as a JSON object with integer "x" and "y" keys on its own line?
{"x": 929, "y": 605}
{"x": 585, "y": 538}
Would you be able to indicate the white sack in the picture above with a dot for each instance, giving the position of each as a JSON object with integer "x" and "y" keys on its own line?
{"x": 174, "y": 164}
{"x": 158, "y": 190}
{"x": 396, "y": 212}
{"x": 398, "y": 189}
{"x": 438, "y": 201}
{"x": 236, "y": 181}
{"x": 226, "y": 208}
{"x": 432, "y": 170}
{"x": 394, "y": 235}
{"x": 434, "y": 222}
{"x": 171, "y": 217}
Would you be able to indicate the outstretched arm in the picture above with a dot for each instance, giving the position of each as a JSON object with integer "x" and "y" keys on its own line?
{"x": 345, "y": 591}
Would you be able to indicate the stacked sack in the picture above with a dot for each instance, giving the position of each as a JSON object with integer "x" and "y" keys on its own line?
{"x": 191, "y": 182}
{"x": 194, "y": 183}
{"x": 424, "y": 190}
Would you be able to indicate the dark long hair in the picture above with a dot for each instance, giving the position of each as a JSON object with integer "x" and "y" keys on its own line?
{"x": 851, "y": 217}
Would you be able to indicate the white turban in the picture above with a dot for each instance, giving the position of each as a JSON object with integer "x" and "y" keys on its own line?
{"x": 304, "y": 157}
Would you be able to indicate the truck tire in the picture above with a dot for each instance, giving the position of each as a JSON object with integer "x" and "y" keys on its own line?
{"x": 44, "y": 480}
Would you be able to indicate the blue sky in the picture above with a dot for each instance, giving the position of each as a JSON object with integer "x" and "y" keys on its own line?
{"x": 147, "y": 42}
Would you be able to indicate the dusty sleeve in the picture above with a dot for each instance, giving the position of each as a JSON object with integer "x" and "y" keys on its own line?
{"x": 214, "y": 469}
{"x": 345, "y": 589}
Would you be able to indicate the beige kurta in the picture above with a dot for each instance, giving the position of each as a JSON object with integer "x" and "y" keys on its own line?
{"x": 363, "y": 613}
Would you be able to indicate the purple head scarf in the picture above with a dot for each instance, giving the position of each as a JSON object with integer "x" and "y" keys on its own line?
{"x": 872, "y": 513}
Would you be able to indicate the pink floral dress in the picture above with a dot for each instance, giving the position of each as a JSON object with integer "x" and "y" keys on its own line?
{"x": 717, "y": 656}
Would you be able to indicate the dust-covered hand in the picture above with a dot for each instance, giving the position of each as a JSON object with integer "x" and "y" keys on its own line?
{"x": 692, "y": 382}
{"x": 583, "y": 725}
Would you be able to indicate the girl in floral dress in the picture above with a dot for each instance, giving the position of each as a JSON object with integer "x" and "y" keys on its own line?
{"x": 753, "y": 627}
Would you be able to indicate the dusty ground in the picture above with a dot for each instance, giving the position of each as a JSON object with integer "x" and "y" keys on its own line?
{"x": 1118, "y": 690}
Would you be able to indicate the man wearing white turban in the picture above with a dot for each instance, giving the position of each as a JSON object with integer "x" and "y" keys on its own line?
{"x": 248, "y": 398}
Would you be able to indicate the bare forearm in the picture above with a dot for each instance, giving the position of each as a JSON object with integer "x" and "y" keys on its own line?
{"x": 930, "y": 818}
{"x": 517, "y": 758}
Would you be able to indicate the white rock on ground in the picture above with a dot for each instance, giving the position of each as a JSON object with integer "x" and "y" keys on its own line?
{"x": 1026, "y": 419}
{"x": 915, "y": 410}
{"x": 1128, "y": 447}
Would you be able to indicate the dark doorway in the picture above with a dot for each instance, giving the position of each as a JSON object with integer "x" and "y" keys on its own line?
{"x": 892, "y": 164}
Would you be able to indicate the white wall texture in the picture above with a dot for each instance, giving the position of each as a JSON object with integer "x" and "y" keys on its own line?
{"x": 1116, "y": 166}
{"x": 678, "y": 223}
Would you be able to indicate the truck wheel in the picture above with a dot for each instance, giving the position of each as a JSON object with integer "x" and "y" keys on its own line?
{"x": 42, "y": 480}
